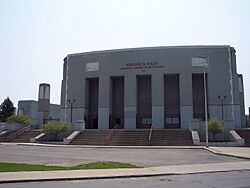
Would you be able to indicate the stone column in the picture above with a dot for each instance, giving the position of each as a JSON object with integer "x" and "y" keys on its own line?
{"x": 44, "y": 101}
{"x": 158, "y": 100}
{"x": 103, "y": 103}
{"x": 130, "y": 102}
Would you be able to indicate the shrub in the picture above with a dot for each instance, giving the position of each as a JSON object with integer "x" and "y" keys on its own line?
{"x": 23, "y": 119}
{"x": 215, "y": 126}
{"x": 54, "y": 128}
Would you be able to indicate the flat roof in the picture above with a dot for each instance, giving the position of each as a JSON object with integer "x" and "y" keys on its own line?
{"x": 149, "y": 48}
{"x": 28, "y": 100}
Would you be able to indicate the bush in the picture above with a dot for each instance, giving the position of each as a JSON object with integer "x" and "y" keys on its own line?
{"x": 23, "y": 119}
{"x": 54, "y": 128}
{"x": 215, "y": 126}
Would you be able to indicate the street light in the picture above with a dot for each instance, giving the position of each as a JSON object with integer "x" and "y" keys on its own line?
{"x": 203, "y": 62}
{"x": 222, "y": 98}
{"x": 71, "y": 102}
{"x": 205, "y": 96}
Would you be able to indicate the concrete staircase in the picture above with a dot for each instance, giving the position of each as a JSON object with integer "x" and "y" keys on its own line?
{"x": 4, "y": 137}
{"x": 171, "y": 137}
{"x": 138, "y": 137}
{"x": 91, "y": 137}
{"x": 25, "y": 137}
{"x": 245, "y": 133}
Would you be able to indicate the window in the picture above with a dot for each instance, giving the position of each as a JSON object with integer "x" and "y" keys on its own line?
{"x": 172, "y": 120}
{"x": 168, "y": 120}
{"x": 175, "y": 120}
{"x": 146, "y": 121}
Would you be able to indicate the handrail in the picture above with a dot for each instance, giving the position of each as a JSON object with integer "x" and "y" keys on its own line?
{"x": 150, "y": 132}
{"x": 15, "y": 134}
{"x": 108, "y": 137}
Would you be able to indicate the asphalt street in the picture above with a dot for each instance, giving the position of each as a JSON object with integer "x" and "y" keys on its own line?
{"x": 142, "y": 157}
{"x": 239, "y": 179}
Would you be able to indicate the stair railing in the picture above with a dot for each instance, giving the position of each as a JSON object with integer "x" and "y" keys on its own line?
{"x": 108, "y": 137}
{"x": 21, "y": 131}
{"x": 150, "y": 133}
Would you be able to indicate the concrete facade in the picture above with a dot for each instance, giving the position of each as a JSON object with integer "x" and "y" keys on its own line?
{"x": 157, "y": 63}
{"x": 40, "y": 111}
{"x": 30, "y": 108}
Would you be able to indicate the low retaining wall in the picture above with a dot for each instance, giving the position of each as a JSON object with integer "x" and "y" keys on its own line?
{"x": 71, "y": 137}
{"x": 234, "y": 140}
{"x": 50, "y": 137}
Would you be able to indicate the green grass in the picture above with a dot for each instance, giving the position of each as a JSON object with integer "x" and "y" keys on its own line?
{"x": 14, "y": 167}
{"x": 103, "y": 165}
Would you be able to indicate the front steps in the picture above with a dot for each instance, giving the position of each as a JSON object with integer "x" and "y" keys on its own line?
{"x": 4, "y": 138}
{"x": 136, "y": 137}
{"x": 25, "y": 137}
{"x": 244, "y": 133}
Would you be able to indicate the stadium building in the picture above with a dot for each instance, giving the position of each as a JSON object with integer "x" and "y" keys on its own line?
{"x": 159, "y": 86}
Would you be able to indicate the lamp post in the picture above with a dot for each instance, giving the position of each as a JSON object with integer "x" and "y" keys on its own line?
{"x": 71, "y": 102}
{"x": 222, "y": 98}
{"x": 205, "y": 97}
{"x": 203, "y": 62}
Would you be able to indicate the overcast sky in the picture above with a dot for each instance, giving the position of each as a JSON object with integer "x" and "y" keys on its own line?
{"x": 36, "y": 35}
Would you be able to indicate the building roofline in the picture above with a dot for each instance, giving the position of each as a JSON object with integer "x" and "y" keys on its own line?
{"x": 148, "y": 48}
{"x": 54, "y": 104}
{"x": 44, "y": 84}
{"x": 27, "y": 100}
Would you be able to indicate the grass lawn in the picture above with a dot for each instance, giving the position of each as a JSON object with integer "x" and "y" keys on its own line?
{"x": 14, "y": 167}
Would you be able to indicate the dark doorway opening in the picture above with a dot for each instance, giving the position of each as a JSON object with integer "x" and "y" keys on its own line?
{"x": 144, "y": 102}
{"x": 93, "y": 92}
{"x": 117, "y": 102}
{"x": 198, "y": 96}
{"x": 172, "y": 101}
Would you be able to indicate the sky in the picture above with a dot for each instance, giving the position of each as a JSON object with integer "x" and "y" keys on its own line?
{"x": 35, "y": 35}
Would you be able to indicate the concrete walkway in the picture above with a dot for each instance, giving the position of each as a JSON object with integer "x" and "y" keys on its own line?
{"x": 240, "y": 152}
{"x": 9, "y": 177}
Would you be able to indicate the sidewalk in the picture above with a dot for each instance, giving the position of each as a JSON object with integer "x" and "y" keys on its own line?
{"x": 9, "y": 177}
{"x": 239, "y": 152}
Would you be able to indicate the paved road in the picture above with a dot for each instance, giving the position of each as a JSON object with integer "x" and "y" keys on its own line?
{"x": 221, "y": 180}
{"x": 141, "y": 157}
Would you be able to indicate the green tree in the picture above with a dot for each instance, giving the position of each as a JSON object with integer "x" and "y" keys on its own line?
{"x": 54, "y": 128}
{"x": 215, "y": 126}
{"x": 7, "y": 109}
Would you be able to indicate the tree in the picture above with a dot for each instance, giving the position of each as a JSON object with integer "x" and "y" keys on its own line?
{"x": 7, "y": 109}
{"x": 54, "y": 128}
{"x": 215, "y": 126}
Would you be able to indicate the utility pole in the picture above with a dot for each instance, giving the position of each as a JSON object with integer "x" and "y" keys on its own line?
{"x": 205, "y": 96}
{"x": 203, "y": 62}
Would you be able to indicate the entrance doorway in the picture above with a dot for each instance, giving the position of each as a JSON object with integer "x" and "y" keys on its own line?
{"x": 93, "y": 91}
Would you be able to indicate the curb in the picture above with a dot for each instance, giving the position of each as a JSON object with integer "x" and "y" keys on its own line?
{"x": 214, "y": 151}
